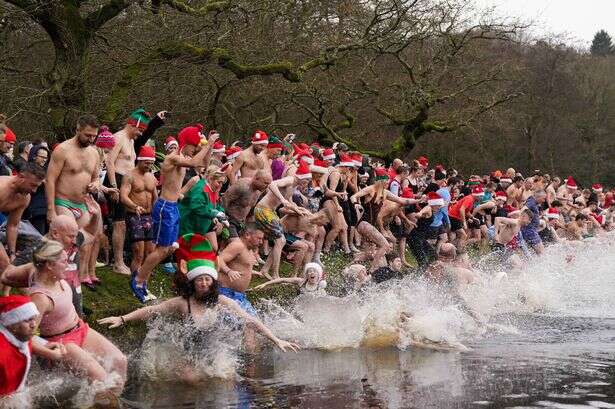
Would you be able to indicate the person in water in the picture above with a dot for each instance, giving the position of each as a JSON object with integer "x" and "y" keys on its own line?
{"x": 59, "y": 322}
{"x": 199, "y": 294}
{"x": 312, "y": 283}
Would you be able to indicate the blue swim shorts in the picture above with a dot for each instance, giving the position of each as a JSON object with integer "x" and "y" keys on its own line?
{"x": 240, "y": 298}
{"x": 165, "y": 217}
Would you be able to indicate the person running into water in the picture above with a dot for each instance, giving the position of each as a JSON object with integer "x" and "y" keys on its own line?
{"x": 198, "y": 295}
{"x": 59, "y": 322}
{"x": 165, "y": 214}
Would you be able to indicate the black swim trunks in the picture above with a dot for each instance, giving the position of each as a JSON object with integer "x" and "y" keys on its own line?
{"x": 139, "y": 228}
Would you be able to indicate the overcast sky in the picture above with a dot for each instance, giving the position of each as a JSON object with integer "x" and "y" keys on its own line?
{"x": 579, "y": 19}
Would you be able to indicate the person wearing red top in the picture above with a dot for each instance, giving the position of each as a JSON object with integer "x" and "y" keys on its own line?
{"x": 18, "y": 319}
{"x": 459, "y": 212}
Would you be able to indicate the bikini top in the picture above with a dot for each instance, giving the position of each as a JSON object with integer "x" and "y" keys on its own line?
{"x": 63, "y": 316}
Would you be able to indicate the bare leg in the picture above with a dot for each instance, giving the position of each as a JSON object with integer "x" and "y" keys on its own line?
{"x": 151, "y": 261}
{"x": 301, "y": 247}
{"x": 370, "y": 233}
{"x": 276, "y": 254}
{"x": 113, "y": 360}
{"x": 119, "y": 231}
{"x": 92, "y": 260}
{"x": 138, "y": 255}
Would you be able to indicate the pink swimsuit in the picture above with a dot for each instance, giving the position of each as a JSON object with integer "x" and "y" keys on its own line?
{"x": 62, "y": 324}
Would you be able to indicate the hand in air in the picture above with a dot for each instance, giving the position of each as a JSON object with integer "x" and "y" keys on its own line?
{"x": 285, "y": 345}
{"x": 162, "y": 115}
{"x": 213, "y": 136}
{"x": 114, "y": 322}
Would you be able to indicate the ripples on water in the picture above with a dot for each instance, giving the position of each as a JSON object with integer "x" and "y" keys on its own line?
{"x": 548, "y": 342}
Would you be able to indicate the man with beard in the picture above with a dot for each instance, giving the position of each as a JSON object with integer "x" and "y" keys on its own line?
{"x": 250, "y": 160}
{"x": 71, "y": 176}
{"x": 15, "y": 194}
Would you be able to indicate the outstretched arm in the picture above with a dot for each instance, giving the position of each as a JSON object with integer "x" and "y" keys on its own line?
{"x": 169, "y": 306}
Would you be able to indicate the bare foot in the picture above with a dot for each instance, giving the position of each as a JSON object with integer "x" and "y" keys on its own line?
{"x": 121, "y": 269}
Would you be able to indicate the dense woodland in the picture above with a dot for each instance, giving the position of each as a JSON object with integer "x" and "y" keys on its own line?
{"x": 388, "y": 77}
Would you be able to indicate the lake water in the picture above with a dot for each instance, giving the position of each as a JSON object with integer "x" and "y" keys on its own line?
{"x": 549, "y": 342}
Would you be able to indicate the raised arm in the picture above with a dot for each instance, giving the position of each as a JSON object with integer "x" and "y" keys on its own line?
{"x": 283, "y": 280}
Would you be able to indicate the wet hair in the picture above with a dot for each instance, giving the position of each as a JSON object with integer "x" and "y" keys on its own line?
{"x": 187, "y": 289}
{"x": 87, "y": 120}
{"x": 47, "y": 251}
{"x": 33, "y": 169}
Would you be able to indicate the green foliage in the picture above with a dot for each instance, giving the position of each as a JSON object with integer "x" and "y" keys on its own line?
{"x": 602, "y": 44}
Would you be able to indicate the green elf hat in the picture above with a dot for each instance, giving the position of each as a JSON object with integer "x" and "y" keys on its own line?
{"x": 139, "y": 118}
{"x": 199, "y": 256}
{"x": 274, "y": 142}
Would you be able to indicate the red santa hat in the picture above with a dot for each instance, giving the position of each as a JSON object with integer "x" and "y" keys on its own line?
{"x": 169, "y": 142}
{"x": 218, "y": 147}
{"x": 570, "y": 183}
{"x": 478, "y": 191}
{"x": 345, "y": 161}
{"x": 319, "y": 166}
{"x": 9, "y": 135}
{"x": 260, "y": 138}
{"x": 357, "y": 159}
{"x": 423, "y": 161}
{"x": 381, "y": 174}
{"x": 303, "y": 172}
{"x": 440, "y": 168}
{"x": 597, "y": 187}
{"x": 16, "y": 308}
{"x": 147, "y": 153}
{"x": 190, "y": 135}
{"x": 233, "y": 152}
{"x": 328, "y": 154}
{"x": 552, "y": 213}
{"x": 407, "y": 193}
{"x": 501, "y": 196}
{"x": 434, "y": 199}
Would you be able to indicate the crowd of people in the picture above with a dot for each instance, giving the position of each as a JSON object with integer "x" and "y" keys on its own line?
{"x": 217, "y": 215}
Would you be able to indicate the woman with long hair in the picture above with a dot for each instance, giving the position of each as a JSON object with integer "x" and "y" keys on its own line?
{"x": 59, "y": 321}
{"x": 199, "y": 293}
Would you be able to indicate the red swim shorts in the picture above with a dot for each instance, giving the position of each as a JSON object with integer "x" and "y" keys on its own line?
{"x": 75, "y": 336}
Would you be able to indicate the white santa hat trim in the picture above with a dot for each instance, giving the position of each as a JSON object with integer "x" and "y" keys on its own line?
{"x": 346, "y": 164}
{"x": 171, "y": 143}
{"x": 23, "y": 348}
{"x": 436, "y": 202}
{"x": 221, "y": 150}
{"x": 329, "y": 157}
{"x": 307, "y": 159}
{"x": 233, "y": 155}
{"x": 552, "y": 215}
{"x": 202, "y": 270}
{"x": 22, "y": 313}
{"x": 153, "y": 159}
{"x": 263, "y": 142}
{"x": 505, "y": 180}
{"x": 303, "y": 176}
{"x": 318, "y": 169}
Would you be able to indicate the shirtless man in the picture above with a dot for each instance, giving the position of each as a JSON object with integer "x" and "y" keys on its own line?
{"x": 165, "y": 213}
{"x": 15, "y": 194}
{"x": 279, "y": 193}
{"x": 241, "y": 197}
{"x": 508, "y": 236}
{"x": 236, "y": 265}
{"x": 577, "y": 229}
{"x": 566, "y": 191}
{"x": 138, "y": 195}
{"x": 249, "y": 161}
{"x": 72, "y": 174}
{"x": 552, "y": 190}
{"x": 273, "y": 151}
{"x": 120, "y": 161}
{"x": 515, "y": 192}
